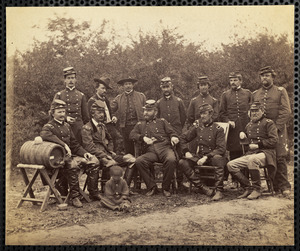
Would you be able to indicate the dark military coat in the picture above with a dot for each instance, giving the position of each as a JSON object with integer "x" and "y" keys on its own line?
{"x": 234, "y": 106}
{"x": 96, "y": 140}
{"x": 193, "y": 109}
{"x": 158, "y": 128}
{"x": 264, "y": 133}
{"x": 277, "y": 108}
{"x": 76, "y": 104}
{"x": 120, "y": 108}
{"x": 61, "y": 134}
{"x": 211, "y": 139}
{"x": 172, "y": 110}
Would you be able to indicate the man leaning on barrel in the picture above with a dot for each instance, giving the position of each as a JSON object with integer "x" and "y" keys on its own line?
{"x": 58, "y": 131}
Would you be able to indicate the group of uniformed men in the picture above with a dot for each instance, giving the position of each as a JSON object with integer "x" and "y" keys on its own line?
{"x": 88, "y": 129}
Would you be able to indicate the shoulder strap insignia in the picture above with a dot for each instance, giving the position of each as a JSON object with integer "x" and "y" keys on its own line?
{"x": 49, "y": 125}
{"x": 139, "y": 123}
{"x": 268, "y": 120}
{"x": 280, "y": 88}
{"x": 193, "y": 98}
{"x": 179, "y": 99}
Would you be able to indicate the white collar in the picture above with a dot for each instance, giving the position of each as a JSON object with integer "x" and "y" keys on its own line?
{"x": 95, "y": 122}
{"x": 71, "y": 89}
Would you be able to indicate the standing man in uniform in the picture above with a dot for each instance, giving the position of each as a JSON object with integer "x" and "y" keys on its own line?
{"x": 102, "y": 85}
{"x": 261, "y": 134}
{"x": 211, "y": 143}
{"x": 277, "y": 108}
{"x": 203, "y": 98}
{"x": 77, "y": 112}
{"x": 127, "y": 107}
{"x": 172, "y": 109}
{"x": 58, "y": 131}
{"x": 157, "y": 137}
{"x": 234, "y": 107}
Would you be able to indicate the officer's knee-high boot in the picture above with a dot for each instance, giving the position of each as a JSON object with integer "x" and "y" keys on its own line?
{"x": 219, "y": 172}
{"x": 62, "y": 184}
{"x": 244, "y": 181}
{"x": 256, "y": 184}
{"x": 72, "y": 176}
{"x": 190, "y": 174}
{"x": 92, "y": 184}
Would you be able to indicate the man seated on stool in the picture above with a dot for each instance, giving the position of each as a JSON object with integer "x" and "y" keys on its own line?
{"x": 261, "y": 134}
{"x": 97, "y": 140}
{"x": 157, "y": 137}
{"x": 58, "y": 131}
{"x": 212, "y": 147}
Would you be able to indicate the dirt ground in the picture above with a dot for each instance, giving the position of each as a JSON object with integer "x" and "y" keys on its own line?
{"x": 183, "y": 219}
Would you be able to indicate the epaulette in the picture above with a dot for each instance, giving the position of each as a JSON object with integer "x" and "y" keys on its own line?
{"x": 158, "y": 101}
{"x": 80, "y": 93}
{"x": 268, "y": 120}
{"x": 214, "y": 99}
{"x": 58, "y": 93}
{"x": 162, "y": 119}
{"x": 193, "y": 98}
{"x": 139, "y": 123}
{"x": 179, "y": 99}
{"x": 280, "y": 88}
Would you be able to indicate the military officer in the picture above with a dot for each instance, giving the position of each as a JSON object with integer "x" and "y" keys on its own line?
{"x": 261, "y": 134}
{"x": 102, "y": 85}
{"x": 77, "y": 111}
{"x": 234, "y": 107}
{"x": 127, "y": 107}
{"x": 170, "y": 107}
{"x": 58, "y": 131}
{"x": 203, "y": 98}
{"x": 211, "y": 145}
{"x": 97, "y": 140}
{"x": 277, "y": 108}
{"x": 157, "y": 137}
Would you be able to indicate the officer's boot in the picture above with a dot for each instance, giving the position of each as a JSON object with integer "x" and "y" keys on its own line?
{"x": 62, "y": 185}
{"x": 72, "y": 176}
{"x": 204, "y": 189}
{"x": 244, "y": 183}
{"x": 129, "y": 173}
{"x": 255, "y": 179}
{"x": 219, "y": 174}
{"x": 92, "y": 184}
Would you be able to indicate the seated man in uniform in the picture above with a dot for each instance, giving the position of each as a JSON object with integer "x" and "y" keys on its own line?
{"x": 58, "y": 131}
{"x": 211, "y": 145}
{"x": 261, "y": 134}
{"x": 157, "y": 138}
{"x": 97, "y": 140}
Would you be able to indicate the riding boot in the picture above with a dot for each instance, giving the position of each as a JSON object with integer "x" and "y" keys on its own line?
{"x": 256, "y": 184}
{"x": 129, "y": 173}
{"x": 92, "y": 184}
{"x": 245, "y": 183}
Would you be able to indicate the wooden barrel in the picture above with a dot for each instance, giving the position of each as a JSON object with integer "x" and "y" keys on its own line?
{"x": 49, "y": 154}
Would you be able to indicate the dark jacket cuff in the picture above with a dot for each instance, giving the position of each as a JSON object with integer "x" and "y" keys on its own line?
{"x": 185, "y": 150}
{"x": 141, "y": 138}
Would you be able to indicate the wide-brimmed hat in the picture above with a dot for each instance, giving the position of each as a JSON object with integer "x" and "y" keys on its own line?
{"x": 129, "y": 79}
{"x": 103, "y": 80}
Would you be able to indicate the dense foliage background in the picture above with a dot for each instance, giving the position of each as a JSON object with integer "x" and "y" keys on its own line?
{"x": 36, "y": 75}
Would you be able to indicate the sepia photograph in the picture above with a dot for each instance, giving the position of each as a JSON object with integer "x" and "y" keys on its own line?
{"x": 150, "y": 125}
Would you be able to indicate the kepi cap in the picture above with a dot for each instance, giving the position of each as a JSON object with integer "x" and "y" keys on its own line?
{"x": 103, "y": 80}
{"x": 129, "y": 79}
{"x": 57, "y": 104}
{"x": 267, "y": 69}
{"x": 256, "y": 106}
{"x": 235, "y": 74}
{"x": 98, "y": 105}
{"x": 203, "y": 80}
{"x": 205, "y": 107}
{"x": 68, "y": 71}
{"x": 150, "y": 104}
